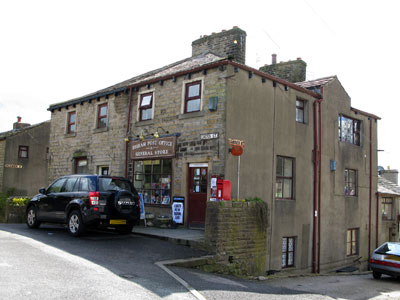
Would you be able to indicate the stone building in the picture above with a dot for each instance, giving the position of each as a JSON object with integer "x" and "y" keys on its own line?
{"x": 23, "y": 158}
{"x": 308, "y": 154}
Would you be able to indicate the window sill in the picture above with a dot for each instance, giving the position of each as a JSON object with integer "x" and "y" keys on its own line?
{"x": 144, "y": 123}
{"x": 70, "y": 135}
{"x": 191, "y": 115}
{"x": 287, "y": 199}
{"x": 98, "y": 130}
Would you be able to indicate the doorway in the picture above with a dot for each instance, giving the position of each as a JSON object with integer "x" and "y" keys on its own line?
{"x": 197, "y": 194}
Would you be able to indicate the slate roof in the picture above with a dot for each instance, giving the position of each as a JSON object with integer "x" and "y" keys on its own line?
{"x": 5, "y": 134}
{"x": 182, "y": 65}
{"x": 316, "y": 82}
{"x": 387, "y": 187}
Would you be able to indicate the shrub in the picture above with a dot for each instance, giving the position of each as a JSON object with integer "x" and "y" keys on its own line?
{"x": 20, "y": 201}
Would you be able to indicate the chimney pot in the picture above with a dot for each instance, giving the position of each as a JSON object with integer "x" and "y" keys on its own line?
{"x": 299, "y": 58}
{"x": 274, "y": 59}
{"x": 19, "y": 119}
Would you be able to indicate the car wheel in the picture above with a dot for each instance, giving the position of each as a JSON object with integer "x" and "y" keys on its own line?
{"x": 376, "y": 275}
{"x": 31, "y": 219}
{"x": 126, "y": 229}
{"x": 75, "y": 223}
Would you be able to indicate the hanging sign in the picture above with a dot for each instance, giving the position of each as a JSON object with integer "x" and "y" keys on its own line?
{"x": 154, "y": 148}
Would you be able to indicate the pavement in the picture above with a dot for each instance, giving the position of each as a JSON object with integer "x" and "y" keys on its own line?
{"x": 182, "y": 236}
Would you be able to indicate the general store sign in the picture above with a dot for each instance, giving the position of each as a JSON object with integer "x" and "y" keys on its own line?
{"x": 154, "y": 148}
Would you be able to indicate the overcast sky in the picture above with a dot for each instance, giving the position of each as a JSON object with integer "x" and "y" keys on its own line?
{"x": 53, "y": 51}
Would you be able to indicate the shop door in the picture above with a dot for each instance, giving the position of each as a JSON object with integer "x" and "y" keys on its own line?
{"x": 198, "y": 182}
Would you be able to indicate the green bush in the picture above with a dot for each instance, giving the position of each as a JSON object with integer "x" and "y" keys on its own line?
{"x": 20, "y": 201}
{"x": 3, "y": 201}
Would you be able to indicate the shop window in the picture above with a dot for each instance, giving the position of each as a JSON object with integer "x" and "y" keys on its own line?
{"x": 349, "y": 130}
{"x": 71, "y": 122}
{"x": 288, "y": 251}
{"x": 352, "y": 242}
{"x": 350, "y": 182}
{"x": 81, "y": 165}
{"x": 300, "y": 109}
{"x": 284, "y": 178}
{"x": 146, "y": 107}
{"x": 102, "y": 115}
{"x": 387, "y": 209}
{"x": 193, "y": 97}
{"x": 23, "y": 152}
{"x": 152, "y": 178}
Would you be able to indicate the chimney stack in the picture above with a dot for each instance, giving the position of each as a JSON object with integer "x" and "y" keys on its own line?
{"x": 273, "y": 59}
{"x": 19, "y": 125}
{"x": 227, "y": 43}
{"x": 292, "y": 70}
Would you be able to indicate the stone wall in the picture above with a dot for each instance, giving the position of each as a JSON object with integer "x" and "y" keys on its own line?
{"x": 102, "y": 147}
{"x": 292, "y": 71}
{"x": 237, "y": 233}
{"x": 231, "y": 43}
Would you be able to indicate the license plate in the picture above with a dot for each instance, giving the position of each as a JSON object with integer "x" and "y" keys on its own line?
{"x": 117, "y": 222}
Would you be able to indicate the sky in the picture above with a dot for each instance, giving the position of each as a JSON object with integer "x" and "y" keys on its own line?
{"x": 53, "y": 51}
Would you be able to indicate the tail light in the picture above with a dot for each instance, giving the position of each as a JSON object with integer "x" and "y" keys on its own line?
{"x": 94, "y": 198}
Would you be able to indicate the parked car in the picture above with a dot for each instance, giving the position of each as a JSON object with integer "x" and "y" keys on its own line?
{"x": 82, "y": 201}
{"x": 386, "y": 260}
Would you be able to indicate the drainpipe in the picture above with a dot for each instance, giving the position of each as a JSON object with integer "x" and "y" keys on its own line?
{"x": 370, "y": 189}
{"x": 317, "y": 183}
{"x": 319, "y": 176}
{"x": 127, "y": 132}
{"x": 377, "y": 219}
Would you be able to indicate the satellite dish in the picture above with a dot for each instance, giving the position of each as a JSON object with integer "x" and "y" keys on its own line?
{"x": 381, "y": 170}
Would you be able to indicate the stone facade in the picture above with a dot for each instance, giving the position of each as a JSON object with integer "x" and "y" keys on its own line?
{"x": 292, "y": 71}
{"x": 101, "y": 147}
{"x": 24, "y": 176}
{"x": 230, "y": 43}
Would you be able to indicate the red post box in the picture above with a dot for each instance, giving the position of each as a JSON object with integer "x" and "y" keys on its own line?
{"x": 223, "y": 189}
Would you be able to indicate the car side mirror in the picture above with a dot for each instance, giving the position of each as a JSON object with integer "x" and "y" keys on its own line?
{"x": 42, "y": 191}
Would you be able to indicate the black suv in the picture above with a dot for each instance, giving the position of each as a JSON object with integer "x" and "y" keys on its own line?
{"x": 81, "y": 201}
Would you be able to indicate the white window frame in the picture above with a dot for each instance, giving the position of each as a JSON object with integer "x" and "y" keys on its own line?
{"x": 201, "y": 79}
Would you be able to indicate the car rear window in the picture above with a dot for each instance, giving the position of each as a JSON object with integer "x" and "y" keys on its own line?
{"x": 114, "y": 184}
{"x": 389, "y": 248}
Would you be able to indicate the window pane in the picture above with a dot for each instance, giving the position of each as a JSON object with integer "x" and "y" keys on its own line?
{"x": 84, "y": 184}
{"x": 287, "y": 188}
{"x": 167, "y": 166}
{"x": 146, "y": 100}
{"x": 299, "y": 115}
{"x": 70, "y": 184}
{"x": 193, "y": 105}
{"x": 279, "y": 166}
{"x": 291, "y": 259}
{"x": 147, "y": 114}
{"x": 288, "y": 167}
{"x": 102, "y": 123}
{"x": 279, "y": 188}
{"x": 291, "y": 244}
{"x": 72, "y": 118}
{"x": 194, "y": 90}
{"x": 72, "y": 128}
{"x": 299, "y": 103}
{"x": 283, "y": 259}
{"x": 103, "y": 110}
{"x": 284, "y": 244}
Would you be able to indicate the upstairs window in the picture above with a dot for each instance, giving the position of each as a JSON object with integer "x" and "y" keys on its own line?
{"x": 71, "y": 123}
{"x": 102, "y": 116}
{"x": 192, "y": 96}
{"x": 23, "y": 152}
{"x": 300, "y": 106}
{"x": 284, "y": 177}
{"x": 350, "y": 182}
{"x": 349, "y": 130}
{"x": 146, "y": 107}
{"x": 387, "y": 209}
